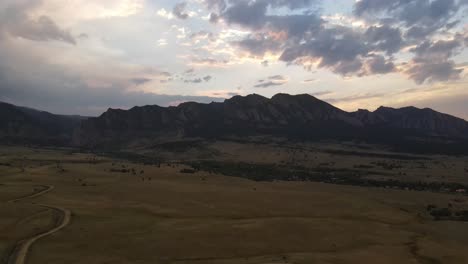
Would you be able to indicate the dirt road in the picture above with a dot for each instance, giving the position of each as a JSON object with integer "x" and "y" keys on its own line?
{"x": 20, "y": 252}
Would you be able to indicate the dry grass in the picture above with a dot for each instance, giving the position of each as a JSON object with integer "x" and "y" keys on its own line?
{"x": 202, "y": 218}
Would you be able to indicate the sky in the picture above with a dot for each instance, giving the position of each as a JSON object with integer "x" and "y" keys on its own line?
{"x": 85, "y": 56}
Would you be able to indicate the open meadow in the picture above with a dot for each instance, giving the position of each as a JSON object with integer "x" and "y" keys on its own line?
{"x": 120, "y": 211}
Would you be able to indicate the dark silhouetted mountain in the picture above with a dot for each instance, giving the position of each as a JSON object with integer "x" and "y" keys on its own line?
{"x": 26, "y": 125}
{"x": 433, "y": 122}
{"x": 283, "y": 115}
{"x": 300, "y": 117}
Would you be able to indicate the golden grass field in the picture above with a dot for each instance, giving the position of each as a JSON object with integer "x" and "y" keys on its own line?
{"x": 164, "y": 216}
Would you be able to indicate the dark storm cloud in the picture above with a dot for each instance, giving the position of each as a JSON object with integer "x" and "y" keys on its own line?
{"x": 422, "y": 17}
{"x": 179, "y": 10}
{"x": 307, "y": 39}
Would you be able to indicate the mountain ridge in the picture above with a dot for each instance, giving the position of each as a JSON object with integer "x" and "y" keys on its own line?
{"x": 294, "y": 117}
{"x": 21, "y": 125}
{"x": 291, "y": 116}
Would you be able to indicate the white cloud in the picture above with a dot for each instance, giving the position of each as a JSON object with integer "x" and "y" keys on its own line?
{"x": 72, "y": 11}
{"x": 165, "y": 14}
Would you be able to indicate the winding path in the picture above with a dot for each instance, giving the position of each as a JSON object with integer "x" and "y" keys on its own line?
{"x": 47, "y": 189}
{"x": 20, "y": 252}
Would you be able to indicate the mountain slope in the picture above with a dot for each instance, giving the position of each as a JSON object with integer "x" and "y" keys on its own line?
{"x": 299, "y": 117}
{"x": 283, "y": 115}
{"x": 25, "y": 125}
{"x": 294, "y": 117}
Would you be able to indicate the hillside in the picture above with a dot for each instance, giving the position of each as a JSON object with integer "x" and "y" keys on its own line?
{"x": 300, "y": 117}
{"x": 26, "y": 125}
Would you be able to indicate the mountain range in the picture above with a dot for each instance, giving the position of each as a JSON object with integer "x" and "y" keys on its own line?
{"x": 29, "y": 126}
{"x": 294, "y": 117}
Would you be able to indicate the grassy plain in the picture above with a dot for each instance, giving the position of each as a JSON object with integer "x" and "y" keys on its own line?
{"x": 160, "y": 215}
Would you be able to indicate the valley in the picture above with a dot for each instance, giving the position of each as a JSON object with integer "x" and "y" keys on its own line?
{"x": 178, "y": 210}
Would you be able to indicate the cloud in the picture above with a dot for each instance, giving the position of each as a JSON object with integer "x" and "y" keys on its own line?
{"x": 339, "y": 49}
{"x": 196, "y": 80}
{"x": 71, "y": 12}
{"x": 258, "y": 44}
{"x": 309, "y": 81}
{"x": 139, "y": 81}
{"x": 438, "y": 50}
{"x": 165, "y": 14}
{"x": 385, "y": 38}
{"x": 208, "y": 62}
{"x": 275, "y": 80}
{"x": 15, "y": 21}
{"x": 421, "y": 72}
{"x": 35, "y": 76}
{"x": 279, "y": 78}
{"x": 47, "y": 92}
{"x": 305, "y": 40}
{"x": 83, "y": 36}
{"x": 268, "y": 84}
{"x": 421, "y": 17}
{"x": 432, "y": 61}
{"x": 379, "y": 65}
{"x": 217, "y": 5}
{"x": 189, "y": 71}
{"x": 385, "y": 29}
{"x": 179, "y": 10}
{"x": 214, "y": 18}
{"x": 253, "y": 15}
{"x": 202, "y": 35}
